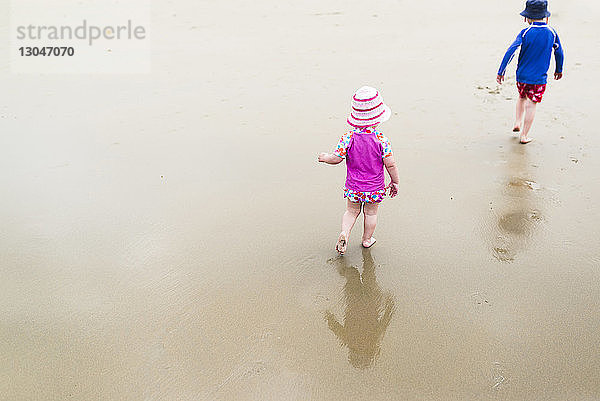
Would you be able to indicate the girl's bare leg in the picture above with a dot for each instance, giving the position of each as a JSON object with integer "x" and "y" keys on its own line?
{"x": 530, "y": 108}
{"x": 519, "y": 114}
{"x": 348, "y": 219}
{"x": 370, "y": 210}
{"x": 350, "y": 216}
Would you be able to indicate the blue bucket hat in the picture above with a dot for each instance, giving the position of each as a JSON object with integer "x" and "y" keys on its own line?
{"x": 536, "y": 9}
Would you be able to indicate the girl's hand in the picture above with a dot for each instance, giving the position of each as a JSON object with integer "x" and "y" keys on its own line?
{"x": 393, "y": 187}
{"x": 323, "y": 157}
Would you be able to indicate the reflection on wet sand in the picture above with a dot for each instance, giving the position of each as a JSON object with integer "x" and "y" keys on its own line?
{"x": 367, "y": 314}
{"x": 519, "y": 217}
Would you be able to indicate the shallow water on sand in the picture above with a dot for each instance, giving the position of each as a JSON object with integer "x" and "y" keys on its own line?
{"x": 170, "y": 235}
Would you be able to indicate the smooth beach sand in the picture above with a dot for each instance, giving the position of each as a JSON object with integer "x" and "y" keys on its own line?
{"x": 169, "y": 236}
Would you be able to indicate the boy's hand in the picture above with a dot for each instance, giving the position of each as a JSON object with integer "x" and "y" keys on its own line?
{"x": 393, "y": 187}
{"x": 557, "y": 75}
{"x": 499, "y": 79}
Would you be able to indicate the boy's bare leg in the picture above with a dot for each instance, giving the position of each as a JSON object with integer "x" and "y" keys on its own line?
{"x": 530, "y": 107}
{"x": 519, "y": 114}
{"x": 348, "y": 219}
{"x": 370, "y": 211}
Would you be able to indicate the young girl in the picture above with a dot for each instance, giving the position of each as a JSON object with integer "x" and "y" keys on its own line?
{"x": 366, "y": 151}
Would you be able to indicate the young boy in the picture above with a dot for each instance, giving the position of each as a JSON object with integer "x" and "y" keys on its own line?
{"x": 537, "y": 42}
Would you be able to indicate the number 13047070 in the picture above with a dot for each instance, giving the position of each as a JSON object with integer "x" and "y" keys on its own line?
{"x": 46, "y": 51}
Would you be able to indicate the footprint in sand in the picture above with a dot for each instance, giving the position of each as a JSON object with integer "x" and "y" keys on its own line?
{"x": 260, "y": 358}
{"x": 490, "y": 90}
{"x": 254, "y": 368}
{"x": 519, "y": 222}
{"x": 517, "y": 182}
{"x": 499, "y": 376}
{"x": 504, "y": 254}
{"x": 327, "y": 13}
{"x": 480, "y": 299}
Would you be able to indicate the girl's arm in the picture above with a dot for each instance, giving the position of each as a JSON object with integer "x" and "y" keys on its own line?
{"x": 336, "y": 327}
{"x": 340, "y": 151}
{"x": 387, "y": 317}
{"x": 329, "y": 158}
{"x": 390, "y": 165}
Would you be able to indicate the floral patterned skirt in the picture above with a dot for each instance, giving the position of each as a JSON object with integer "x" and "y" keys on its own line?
{"x": 364, "y": 197}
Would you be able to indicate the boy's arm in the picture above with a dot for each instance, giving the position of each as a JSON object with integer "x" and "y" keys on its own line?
{"x": 559, "y": 55}
{"x": 390, "y": 165}
{"x": 508, "y": 56}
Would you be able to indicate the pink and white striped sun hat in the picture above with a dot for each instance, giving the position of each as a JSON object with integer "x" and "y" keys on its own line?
{"x": 368, "y": 108}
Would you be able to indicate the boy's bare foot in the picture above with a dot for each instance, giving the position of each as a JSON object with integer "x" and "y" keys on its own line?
{"x": 517, "y": 129}
{"x": 525, "y": 140}
{"x": 369, "y": 242}
{"x": 342, "y": 243}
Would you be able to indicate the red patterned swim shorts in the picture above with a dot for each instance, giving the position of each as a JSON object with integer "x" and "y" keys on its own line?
{"x": 532, "y": 91}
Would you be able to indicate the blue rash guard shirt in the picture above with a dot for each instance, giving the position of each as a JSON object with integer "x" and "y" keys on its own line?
{"x": 536, "y": 42}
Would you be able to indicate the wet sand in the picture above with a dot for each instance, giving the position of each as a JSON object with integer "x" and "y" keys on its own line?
{"x": 170, "y": 236}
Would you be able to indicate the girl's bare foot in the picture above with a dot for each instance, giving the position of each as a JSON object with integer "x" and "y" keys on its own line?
{"x": 369, "y": 242}
{"x": 517, "y": 128}
{"x": 525, "y": 140}
{"x": 342, "y": 243}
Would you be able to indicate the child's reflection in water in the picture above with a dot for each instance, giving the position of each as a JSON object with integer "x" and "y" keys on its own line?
{"x": 519, "y": 214}
{"x": 367, "y": 315}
